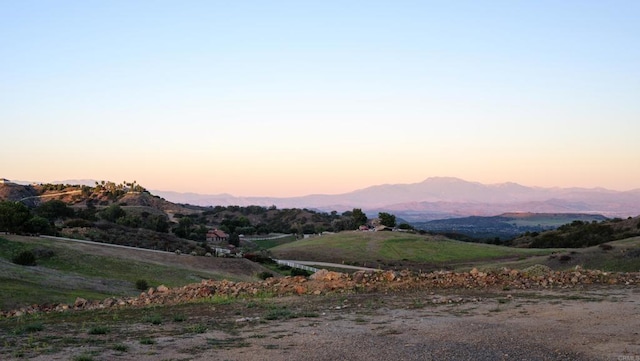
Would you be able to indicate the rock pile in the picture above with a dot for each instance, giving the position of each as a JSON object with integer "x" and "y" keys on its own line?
{"x": 324, "y": 281}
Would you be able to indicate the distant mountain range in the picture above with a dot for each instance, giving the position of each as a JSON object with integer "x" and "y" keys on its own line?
{"x": 438, "y": 198}
{"x": 444, "y": 197}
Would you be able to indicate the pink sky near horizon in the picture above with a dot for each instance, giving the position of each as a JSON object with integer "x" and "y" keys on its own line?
{"x": 296, "y": 98}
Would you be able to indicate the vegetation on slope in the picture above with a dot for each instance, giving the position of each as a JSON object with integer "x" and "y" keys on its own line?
{"x": 386, "y": 249}
{"x": 580, "y": 234}
{"x": 63, "y": 272}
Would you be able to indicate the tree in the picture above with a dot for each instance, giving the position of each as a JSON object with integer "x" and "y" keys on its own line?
{"x": 13, "y": 216}
{"x": 53, "y": 210}
{"x": 234, "y": 239}
{"x": 387, "y": 219}
{"x": 38, "y": 225}
{"x": 112, "y": 213}
{"x": 359, "y": 218}
{"x": 184, "y": 227}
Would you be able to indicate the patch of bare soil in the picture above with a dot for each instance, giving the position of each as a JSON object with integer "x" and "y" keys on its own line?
{"x": 592, "y": 323}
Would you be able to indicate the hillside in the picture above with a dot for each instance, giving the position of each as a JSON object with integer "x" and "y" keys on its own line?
{"x": 66, "y": 270}
{"x": 580, "y": 234}
{"x": 396, "y": 250}
{"x": 128, "y": 214}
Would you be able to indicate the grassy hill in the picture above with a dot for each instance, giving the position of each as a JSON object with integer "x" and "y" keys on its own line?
{"x": 66, "y": 270}
{"x": 396, "y": 250}
{"x": 615, "y": 256}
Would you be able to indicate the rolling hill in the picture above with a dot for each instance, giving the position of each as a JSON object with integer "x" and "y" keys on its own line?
{"x": 397, "y": 250}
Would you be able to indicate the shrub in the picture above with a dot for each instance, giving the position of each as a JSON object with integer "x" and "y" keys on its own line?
{"x": 120, "y": 347}
{"x": 564, "y": 258}
{"x": 300, "y": 272}
{"x": 98, "y": 330}
{"x": 142, "y": 285}
{"x": 25, "y": 258}
{"x": 264, "y": 275}
{"x": 606, "y": 247}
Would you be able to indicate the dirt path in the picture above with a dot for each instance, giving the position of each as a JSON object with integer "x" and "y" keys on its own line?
{"x": 591, "y": 324}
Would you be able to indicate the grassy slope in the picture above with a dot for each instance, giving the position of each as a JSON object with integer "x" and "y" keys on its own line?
{"x": 624, "y": 257}
{"x": 359, "y": 247}
{"x": 71, "y": 273}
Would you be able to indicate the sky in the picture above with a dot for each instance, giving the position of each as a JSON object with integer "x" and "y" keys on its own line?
{"x": 289, "y": 98}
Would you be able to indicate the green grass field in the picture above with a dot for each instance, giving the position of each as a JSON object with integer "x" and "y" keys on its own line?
{"x": 359, "y": 247}
{"x": 69, "y": 273}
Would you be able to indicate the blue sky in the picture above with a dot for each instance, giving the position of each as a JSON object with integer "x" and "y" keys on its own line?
{"x": 290, "y": 98}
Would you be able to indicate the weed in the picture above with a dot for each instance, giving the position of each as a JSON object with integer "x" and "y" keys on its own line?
{"x": 142, "y": 285}
{"x": 98, "y": 330}
{"x": 221, "y": 300}
{"x": 198, "y": 328}
{"x": 147, "y": 341}
{"x": 29, "y": 328}
{"x": 120, "y": 347}
{"x": 155, "y": 319}
{"x": 279, "y": 314}
{"x": 180, "y": 317}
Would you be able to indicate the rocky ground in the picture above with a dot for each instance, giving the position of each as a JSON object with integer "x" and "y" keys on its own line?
{"x": 534, "y": 314}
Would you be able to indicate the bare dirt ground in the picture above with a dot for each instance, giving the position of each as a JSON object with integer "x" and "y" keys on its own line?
{"x": 592, "y": 323}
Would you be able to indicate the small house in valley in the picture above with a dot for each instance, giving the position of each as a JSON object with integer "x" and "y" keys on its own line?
{"x": 216, "y": 235}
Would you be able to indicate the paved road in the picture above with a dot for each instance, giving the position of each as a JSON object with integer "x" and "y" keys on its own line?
{"x": 332, "y": 265}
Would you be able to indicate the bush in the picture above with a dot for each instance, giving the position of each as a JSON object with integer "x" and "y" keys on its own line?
{"x": 564, "y": 258}
{"x": 300, "y": 272}
{"x": 25, "y": 258}
{"x": 264, "y": 275}
{"x": 606, "y": 247}
{"x": 142, "y": 285}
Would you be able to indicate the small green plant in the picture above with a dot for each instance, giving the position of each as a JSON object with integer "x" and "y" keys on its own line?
{"x": 221, "y": 300}
{"x": 179, "y": 317}
{"x": 142, "y": 285}
{"x": 279, "y": 314}
{"x": 24, "y": 258}
{"x": 264, "y": 275}
{"x": 198, "y": 328}
{"x": 120, "y": 347}
{"x": 155, "y": 319}
{"x": 98, "y": 330}
{"x": 147, "y": 341}
{"x": 29, "y": 328}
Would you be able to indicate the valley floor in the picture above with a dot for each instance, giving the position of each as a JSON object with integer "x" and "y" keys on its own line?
{"x": 592, "y": 323}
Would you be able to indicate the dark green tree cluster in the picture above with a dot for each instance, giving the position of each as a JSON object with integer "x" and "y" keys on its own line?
{"x": 387, "y": 219}
{"x": 575, "y": 235}
{"x": 116, "y": 214}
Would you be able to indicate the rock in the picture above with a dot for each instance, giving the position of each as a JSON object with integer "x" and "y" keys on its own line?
{"x": 163, "y": 289}
{"x": 80, "y": 302}
{"x": 324, "y": 275}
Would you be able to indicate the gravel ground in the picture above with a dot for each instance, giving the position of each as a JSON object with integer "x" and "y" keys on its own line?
{"x": 588, "y": 324}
